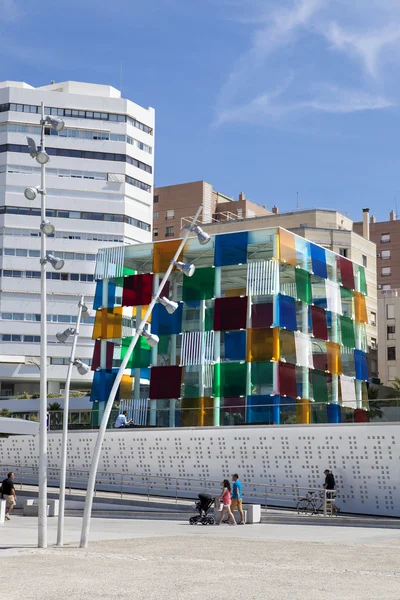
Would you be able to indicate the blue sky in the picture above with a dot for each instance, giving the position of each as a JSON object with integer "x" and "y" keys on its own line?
{"x": 269, "y": 97}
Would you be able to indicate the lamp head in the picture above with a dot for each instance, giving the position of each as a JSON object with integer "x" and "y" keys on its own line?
{"x": 82, "y": 367}
{"x": 185, "y": 268}
{"x": 169, "y": 305}
{"x": 55, "y": 123}
{"x": 42, "y": 157}
{"x": 62, "y": 336}
{"x": 152, "y": 338}
{"x": 56, "y": 263}
{"x": 47, "y": 228}
{"x": 202, "y": 236}
{"x": 86, "y": 312}
{"x": 30, "y": 193}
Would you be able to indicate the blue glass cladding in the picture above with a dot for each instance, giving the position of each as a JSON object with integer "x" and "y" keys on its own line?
{"x": 287, "y": 312}
{"x": 102, "y": 384}
{"x": 231, "y": 249}
{"x": 98, "y": 296}
{"x": 318, "y": 261}
{"x": 333, "y": 413}
{"x": 235, "y": 345}
{"x": 263, "y": 409}
{"x": 360, "y": 359}
{"x": 162, "y": 323}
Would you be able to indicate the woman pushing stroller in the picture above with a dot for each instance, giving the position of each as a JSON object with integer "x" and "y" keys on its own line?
{"x": 226, "y": 500}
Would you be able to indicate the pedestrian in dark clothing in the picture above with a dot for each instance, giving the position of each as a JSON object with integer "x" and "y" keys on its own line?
{"x": 329, "y": 483}
{"x": 8, "y": 494}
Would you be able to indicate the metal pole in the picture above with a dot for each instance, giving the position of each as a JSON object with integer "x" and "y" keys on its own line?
{"x": 42, "y": 524}
{"x": 106, "y": 415}
{"x": 64, "y": 450}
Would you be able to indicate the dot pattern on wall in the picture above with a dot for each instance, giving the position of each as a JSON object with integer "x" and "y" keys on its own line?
{"x": 265, "y": 296}
{"x": 363, "y": 457}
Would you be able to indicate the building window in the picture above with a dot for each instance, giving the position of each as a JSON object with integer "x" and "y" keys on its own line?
{"x": 385, "y": 254}
{"x": 156, "y": 199}
{"x": 374, "y": 345}
{"x": 391, "y": 353}
{"x": 392, "y": 372}
{"x": 390, "y": 311}
{"x": 386, "y": 287}
{"x": 364, "y": 260}
{"x": 343, "y": 252}
{"x": 155, "y": 232}
{"x": 385, "y": 238}
{"x": 170, "y": 215}
{"x": 169, "y": 231}
{"x": 391, "y": 332}
{"x": 386, "y": 271}
{"x": 373, "y": 318}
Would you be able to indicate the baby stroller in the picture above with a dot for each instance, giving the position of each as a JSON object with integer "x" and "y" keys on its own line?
{"x": 203, "y": 505}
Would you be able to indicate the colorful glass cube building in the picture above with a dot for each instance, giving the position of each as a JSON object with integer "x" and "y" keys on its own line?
{"x": 270, "y": 329}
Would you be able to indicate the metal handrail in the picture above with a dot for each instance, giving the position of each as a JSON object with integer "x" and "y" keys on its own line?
{"x": 173, "y": 487}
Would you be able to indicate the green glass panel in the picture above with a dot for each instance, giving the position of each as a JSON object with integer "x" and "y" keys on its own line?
{"x": 262, "y": 373}
{"x": 200, "y": 286}
{"x": 163, "y": 344}
{"x": 303, "y": 285}
{"x": 230, "y": 380}
{"x": 141, "y": 355}
{"x": 209, "y": 318}
{"x": 195, "y": 378}
{"x": 345, "y": 293}
{"x": 127, "y": 271}
{"x": 320, "y": 386}
{"x": 363, "y": 281}
{"x": 347, "y": 330}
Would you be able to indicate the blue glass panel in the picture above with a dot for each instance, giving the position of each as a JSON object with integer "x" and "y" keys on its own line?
{"x": 102, "y": 384}
{"x": 162, "y": 323}
{"x": 263, "y": 409}
{"x": 98, "y": 296}
{"x": 231, "y": 249}
{"x": 360, "y": 359}
{"x": 318, "y": 261}
{"x": 235, "y": 345}
{"x": 287, "y": 312}
{"x": 333, "y": 412}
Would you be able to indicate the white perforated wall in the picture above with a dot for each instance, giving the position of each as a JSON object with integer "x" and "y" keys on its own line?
{"x": 364, "y": 458}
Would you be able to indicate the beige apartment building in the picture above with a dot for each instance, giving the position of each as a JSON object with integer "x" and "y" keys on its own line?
{"x": 175, "y": 205}
{"x": 386, "y": 235}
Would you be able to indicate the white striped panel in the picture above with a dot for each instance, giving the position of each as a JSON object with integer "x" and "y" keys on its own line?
{"x": 197, "y": 348}
{"x": 262, "y": 278}
{"x": 289, "y": 289}
{"x": 110, "y": 262}
{"x": 137, "y": 409}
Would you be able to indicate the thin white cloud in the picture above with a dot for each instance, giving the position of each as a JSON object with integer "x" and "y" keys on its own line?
{"x": 342, "y": 31}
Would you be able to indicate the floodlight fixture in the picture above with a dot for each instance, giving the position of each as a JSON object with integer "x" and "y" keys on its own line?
{"x": 55, "y": 123}
{"x": 187, "y": 269}
{"x": 169, "y": 305}
{"x": 82, "y": 367}
{"x": 56, "y": 262}
{"x": 46, "y": 227}
{"x": 152, "y": 338}
{"x": 202, "y": 236}
{"x": 40, "y": 155}
{"x": 62, "y": 336}
{"x": 30, "y": 193}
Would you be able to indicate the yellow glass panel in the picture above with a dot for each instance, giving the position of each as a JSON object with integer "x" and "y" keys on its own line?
{"x": 334, "y": 358}
{"x": 164, "y": 252}
{"x": 143, "y": 312}
{"x": 125, "y": 388}
{"x": 287, "y": 246}
{"x": 259, "y": 345}
{"x": 360, "y": 308}
{"x": 287, "y": 346}
{"x": 303, "y": 411}
{"x": 197, "y": 412}
{"x": 276, "y": 344}
{"x": 108, "y": 324}
{"x": 235, "y": 293}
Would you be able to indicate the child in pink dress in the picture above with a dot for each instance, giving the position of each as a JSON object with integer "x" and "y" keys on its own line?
{"x": 226, "y": 501}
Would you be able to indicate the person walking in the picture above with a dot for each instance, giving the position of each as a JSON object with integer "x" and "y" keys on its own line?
{"x": 8, "y": 494}
{"x": 329, "y": 484}
{"x": 226, "y": 500}
{"x": 237, "y": 497}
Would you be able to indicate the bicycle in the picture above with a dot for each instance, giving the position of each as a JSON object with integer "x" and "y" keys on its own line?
{"x": 312, "y": 505}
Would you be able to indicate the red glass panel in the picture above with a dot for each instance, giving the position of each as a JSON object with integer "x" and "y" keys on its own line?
{"x": 319, "y": 326}
{"x": 97, "y": 352}
{"x": 287, "y": 380}
{"x": 165, "y": 382}
{"x": 346, "y": 271}
{"x": 262, "y": 315}
{"x": 230, "y": 314}
{"x": 137, "y": 290}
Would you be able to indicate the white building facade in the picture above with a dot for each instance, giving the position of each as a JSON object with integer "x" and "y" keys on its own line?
{"x": 99, "y": 184}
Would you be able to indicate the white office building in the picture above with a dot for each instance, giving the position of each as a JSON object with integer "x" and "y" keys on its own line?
{"x": 99, "y": 184}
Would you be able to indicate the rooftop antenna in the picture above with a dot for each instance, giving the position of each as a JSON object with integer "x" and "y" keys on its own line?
{"x": 297, "y": 200}
{"x": 120, "y": 78}
{"x": 395, "y": 205}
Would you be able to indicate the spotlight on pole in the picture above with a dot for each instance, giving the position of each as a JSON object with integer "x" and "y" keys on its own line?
{"x": 40, "y": 155}
{"x": 82, "y": 367}
{"x": 56, "y": 262}
{"x": 169, "y": 305}
{"x": 152, "y": 338}
{"x": 86, "y": 312}
{"x": 47, "y": 227}
{"x": 185, "y": 268}
{"x": 62, "y": 336}
{"x": 202, "y": 236}
{"x": 55, "y": 123}
{"x": 30, "y": 193}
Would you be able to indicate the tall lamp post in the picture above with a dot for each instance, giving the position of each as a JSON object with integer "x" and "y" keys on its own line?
{"x": 62, "y": 337}
{"x": 186, "y": 269}
{"x": 46, "y": 228}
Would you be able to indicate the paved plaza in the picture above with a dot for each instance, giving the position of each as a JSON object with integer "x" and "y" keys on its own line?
{"x": 171, "y": 560}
